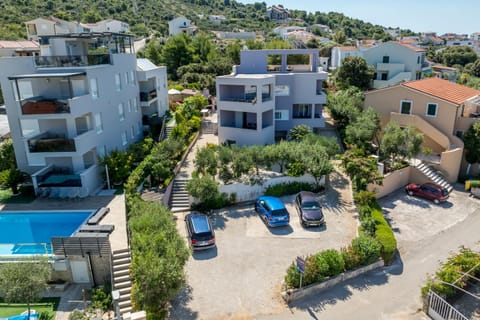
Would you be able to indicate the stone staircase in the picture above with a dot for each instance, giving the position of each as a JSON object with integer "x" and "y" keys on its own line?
{"x": 167, "y": 131}
{"x": 434, "y": 176}
{"x": 180, "y": 199}
{"x": 121, "y": 260}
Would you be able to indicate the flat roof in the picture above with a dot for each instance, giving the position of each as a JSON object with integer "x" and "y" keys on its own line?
{"x": 47, "y": 75}
{"x": 87, "y": 35}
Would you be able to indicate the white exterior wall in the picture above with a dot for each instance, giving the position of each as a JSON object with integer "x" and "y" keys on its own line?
{"x": 338, "y": 55}
{"x": 177, "y": 25}
{"x": 159, "y": 77}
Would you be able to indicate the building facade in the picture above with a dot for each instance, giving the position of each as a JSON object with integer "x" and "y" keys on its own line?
{"x": 270, "y": 92}
{"x": 67, "y": 107}
{"x": 441, "y": 110}
{"x": 152, "y": 83}
{"x": 181, "y": 25}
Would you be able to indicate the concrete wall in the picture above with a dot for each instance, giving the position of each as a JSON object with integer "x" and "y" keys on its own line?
{"x": 246, "y": 192}
{"x": 391, "y": 182}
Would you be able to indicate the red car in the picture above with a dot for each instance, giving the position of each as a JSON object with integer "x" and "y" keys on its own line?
{"x": 430, "y": 191}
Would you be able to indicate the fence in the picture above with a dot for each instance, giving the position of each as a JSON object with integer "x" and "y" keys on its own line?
{"x": 439, "y": 309}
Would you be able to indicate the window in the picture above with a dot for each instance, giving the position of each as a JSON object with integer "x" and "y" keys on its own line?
{"x": 25, "y": 89}
{"x": 460, "y": 134}
{"x": 139, "y": 127}
{"x": 98, "y": 123}
{"x": 118, "y": 84}
{"x": 135, "y": 105}
{"x": 129, "y": 106}
{"x": 384, "y": 76}
{"x": 126, "y": 78}
{"x": 281, "y": 115}
{"x": 406, "y": 107}
{"x": 132, "y": 77}
{"x": 282, "y": 90}
{"x": 94, "y": 88}
{"x": 386, "y": 59}
{"x": 124, "y": 138}
{"x": 432, "y": 109}
{"x": 132, "y": 132}
{"x": 302, "y": 111}
{"x": 103, "y": 151}
{"x": 418, "y": 60}
{"x": 121, "y": 112}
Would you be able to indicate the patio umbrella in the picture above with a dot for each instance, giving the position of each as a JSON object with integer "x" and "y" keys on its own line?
{"x": 173, "y": 91}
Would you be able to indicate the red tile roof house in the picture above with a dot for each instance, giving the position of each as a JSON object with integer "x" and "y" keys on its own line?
{"x": 18, "y": 48}
{"x": 441, "y": 110}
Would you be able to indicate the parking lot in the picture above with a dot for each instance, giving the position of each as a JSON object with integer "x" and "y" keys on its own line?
{"x": 242, "y": 277}
{"x": 415, "y": 219}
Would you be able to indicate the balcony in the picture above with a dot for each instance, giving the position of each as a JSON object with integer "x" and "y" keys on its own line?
{"x": 71, "y": 61}
{"x": 44, "y": 106}
{"x": 148, "y": 96}
{"x": 58, "y": 177}
{"x": 47, "y": 142}
{"x": 50, "y": 143}
{"x": 247, "y": 97}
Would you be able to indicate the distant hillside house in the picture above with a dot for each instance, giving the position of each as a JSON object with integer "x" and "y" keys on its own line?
{"x": 217, "y": 19}
{"x": 181, "y": 25}
{"x": 323, "y": 28}
{"x": 394, "y": 62}
{"x": 242, "y": 35}
{"x": 19, "y": 48}
{"x": 108, "y": 25}
{"x": 282, "y": 30}
{"x": 277, "y": 13}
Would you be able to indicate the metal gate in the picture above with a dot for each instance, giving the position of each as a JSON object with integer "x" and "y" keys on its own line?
{"x": 439, "y": 309}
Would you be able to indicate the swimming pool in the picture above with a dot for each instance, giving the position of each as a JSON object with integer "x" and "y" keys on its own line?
{"x": 25, "y": 233}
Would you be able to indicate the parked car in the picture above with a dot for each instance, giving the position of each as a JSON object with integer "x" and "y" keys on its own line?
{"x": 272, "y": 211}
{"x": 200, "y": 231}
{"x": 309, "y": 209}
{"x": 430, "y": 191}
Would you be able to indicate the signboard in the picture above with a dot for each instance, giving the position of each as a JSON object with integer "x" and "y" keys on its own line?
{"x": 300, "y": 265}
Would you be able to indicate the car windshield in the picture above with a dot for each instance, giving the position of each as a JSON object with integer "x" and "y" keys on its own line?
{"x": 444, "y": 192}
{"x": 311, "y": 205}
{"x": 280, "y": 212}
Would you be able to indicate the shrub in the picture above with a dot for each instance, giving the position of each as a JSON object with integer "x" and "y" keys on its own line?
{"x": 292, "y": 279}
{"x": 350, "y": 258}
{"x": 475, "y": 183}
{"x": 312, "y": 271}
{"x": 331, "y": 262}
{"x": 385, "y": 236}
{"x": 365, "y": 199}
{"x": 287, "y": 188}
{"x": 368, "y": 226}
{"x": 367, "y": 249}
{"x": 101, "y": 298}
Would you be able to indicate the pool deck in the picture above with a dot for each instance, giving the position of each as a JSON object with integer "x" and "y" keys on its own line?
{"x": 116, "y": 216}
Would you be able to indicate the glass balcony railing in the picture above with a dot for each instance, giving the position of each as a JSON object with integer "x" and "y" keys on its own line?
{"x": 72, "y": 61}
{"x": 51, "y": 143}
{"x": 59, "y": 177}
{"x": 44, "y": 106}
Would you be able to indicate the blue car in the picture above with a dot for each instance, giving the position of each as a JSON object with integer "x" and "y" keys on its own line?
{"x": 272, "y": 211}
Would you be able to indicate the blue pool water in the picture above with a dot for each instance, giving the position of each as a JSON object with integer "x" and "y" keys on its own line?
{"x": 30, "y": 232}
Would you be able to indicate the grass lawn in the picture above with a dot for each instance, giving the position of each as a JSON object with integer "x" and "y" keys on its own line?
{"x": 6, "y": 196}
{"x": 49, "y": 305}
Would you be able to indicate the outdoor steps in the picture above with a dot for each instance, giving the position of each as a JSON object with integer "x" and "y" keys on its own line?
{"x": 434, "y": 176}
{"x": 180, "y": 200}
{"x": 121, "y": 260}
{"x": 167, "y": 131}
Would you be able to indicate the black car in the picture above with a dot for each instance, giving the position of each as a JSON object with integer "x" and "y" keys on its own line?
{"x": 199, "y": 231}
{"x": 309, "y": 210}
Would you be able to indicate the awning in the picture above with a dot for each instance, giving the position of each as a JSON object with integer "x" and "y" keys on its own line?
{"x": 47, "y": 75}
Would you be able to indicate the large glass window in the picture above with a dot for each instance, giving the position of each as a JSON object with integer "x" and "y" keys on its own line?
{"x": 124, "y": 138}
{"x": 282, "y": 90}
{"x": 302, "y": 111}
{"x": 281, "y": 115}
{"x": 406, "y": 107}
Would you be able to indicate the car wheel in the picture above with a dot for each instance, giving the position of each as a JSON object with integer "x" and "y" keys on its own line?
{"x": 436, "y": 201}
{"x": 410, "y": 193}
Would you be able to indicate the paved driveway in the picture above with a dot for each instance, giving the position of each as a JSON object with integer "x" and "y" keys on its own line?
{"x": 242, "y": 277}
{"x": 414, "y": 219}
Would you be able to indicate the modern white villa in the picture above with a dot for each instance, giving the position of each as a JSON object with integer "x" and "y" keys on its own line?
{"x": 71, "y": 105}
{"x": 270, "y": 92}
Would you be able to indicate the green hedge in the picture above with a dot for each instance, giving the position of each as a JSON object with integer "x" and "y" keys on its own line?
{"x": 384, "y": 235}
{"x": 329, "y": 263}
{"x": 287, "y": 188}
{"x": 474, "y": 183}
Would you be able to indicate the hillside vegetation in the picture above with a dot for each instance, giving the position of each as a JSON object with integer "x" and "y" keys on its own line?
{"x": 145, "y": 16}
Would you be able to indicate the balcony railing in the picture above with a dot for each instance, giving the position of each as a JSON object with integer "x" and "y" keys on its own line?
{"x": 147, "y": 96}
{"x": 59, "y": 177}
{"x": 71, "y": 61}
{"x": 44, "y": 106}
{"x": 51, "y": 143}
{"x": 248, "y": 125}
{"x": 247, "y": 97}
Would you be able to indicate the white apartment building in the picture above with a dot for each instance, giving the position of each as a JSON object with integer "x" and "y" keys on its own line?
{"x": 181, "y": 25}
{"x": 270, "y": 92}
{"x": 67, "y": 107}
{"x": 152, "y": 82}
